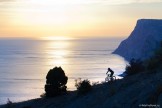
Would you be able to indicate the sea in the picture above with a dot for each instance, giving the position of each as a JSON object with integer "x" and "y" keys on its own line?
{"x": 24, "y": 63}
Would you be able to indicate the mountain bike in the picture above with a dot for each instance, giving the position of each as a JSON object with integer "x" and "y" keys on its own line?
{"x": 108, "y": 78}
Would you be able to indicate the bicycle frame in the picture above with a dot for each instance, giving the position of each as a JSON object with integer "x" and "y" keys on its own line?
{"x": 108, "y": 78}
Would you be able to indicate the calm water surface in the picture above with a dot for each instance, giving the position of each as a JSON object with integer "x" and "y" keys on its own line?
{"x": 25, "y": 63}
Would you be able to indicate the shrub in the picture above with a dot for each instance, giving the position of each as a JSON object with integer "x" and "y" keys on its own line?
{"x": 152, "y": 63}
{"x": 158, "y": 53}
{"x": 135, "y": 66}
{"x": 83, "y": 87}
{"x": 43, "y": 95}
{"x": 156, "y": 60}
{"x": 56, "y": 82}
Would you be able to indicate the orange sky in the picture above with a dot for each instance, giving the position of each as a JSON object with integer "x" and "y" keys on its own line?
{"x": 74, "y": 18}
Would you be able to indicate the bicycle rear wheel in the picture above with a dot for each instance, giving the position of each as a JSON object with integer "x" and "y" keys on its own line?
{"x": 113, "y": 78}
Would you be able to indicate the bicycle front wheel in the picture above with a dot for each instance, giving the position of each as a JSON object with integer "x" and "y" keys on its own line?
{"x": 107, "y": 79}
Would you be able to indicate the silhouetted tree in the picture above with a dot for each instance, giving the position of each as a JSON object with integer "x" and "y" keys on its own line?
{"x": 56, "y": 81}
{"x": 135, "y": 66}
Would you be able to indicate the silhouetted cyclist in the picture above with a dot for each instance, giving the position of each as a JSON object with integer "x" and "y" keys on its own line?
{"x": 111, "y": 71}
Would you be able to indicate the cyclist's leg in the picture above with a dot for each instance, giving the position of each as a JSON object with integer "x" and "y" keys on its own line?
{"x": 111, "y": 78}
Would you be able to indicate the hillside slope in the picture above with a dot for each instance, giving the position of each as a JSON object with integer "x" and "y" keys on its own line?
{"x": 141, "y": 89}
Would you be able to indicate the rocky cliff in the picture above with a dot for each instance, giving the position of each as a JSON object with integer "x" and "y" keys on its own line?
{"x": 143, "y": 41}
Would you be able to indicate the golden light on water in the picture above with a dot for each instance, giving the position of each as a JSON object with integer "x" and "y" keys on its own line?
{"x": 59, "y": 62}
{"x": 57, "y": 52}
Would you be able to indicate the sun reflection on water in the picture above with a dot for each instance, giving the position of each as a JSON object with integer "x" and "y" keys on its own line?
{"x": 57, "y": 52}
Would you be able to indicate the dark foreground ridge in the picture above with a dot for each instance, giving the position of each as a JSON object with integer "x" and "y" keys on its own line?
{"x": 130, "y": 92}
